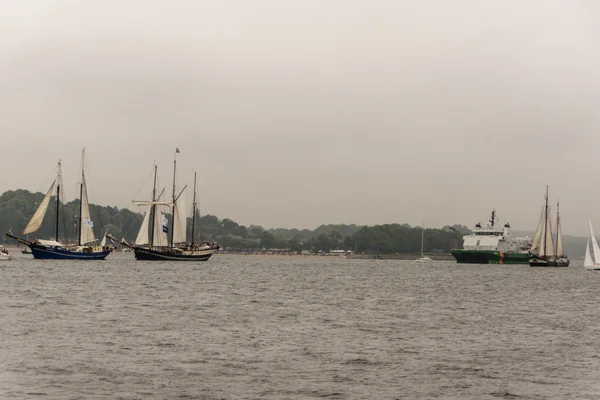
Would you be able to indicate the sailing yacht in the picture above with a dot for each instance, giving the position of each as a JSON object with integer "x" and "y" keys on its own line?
{"x": 423, "y": 257}
{"x": 86, "y": 247}
{"x": 542, "y": 248}
{"x": 152, "y": 242}
{"x": 592, "y": 262}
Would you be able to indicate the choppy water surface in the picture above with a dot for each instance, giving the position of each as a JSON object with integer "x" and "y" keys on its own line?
{"x": 296, "y": 328}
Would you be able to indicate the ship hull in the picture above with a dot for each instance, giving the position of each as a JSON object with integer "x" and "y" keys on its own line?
{"x": 542, "y": 262}
{"x": 146, "y": 254}
{"x": 489, "y": 257}
{"x": 49, "y": 253}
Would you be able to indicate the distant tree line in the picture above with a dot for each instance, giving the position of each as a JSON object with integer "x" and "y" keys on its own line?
{"x": 17, "y": 207}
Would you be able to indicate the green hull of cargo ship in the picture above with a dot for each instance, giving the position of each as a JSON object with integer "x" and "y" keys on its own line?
{"x": 489, "y": 257}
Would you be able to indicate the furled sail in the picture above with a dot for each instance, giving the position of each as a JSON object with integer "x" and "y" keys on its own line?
{"x": 36, "y": 221}
{"x": 86, "y": 228}
{"x": 595, "y": 248}
{"x": 179, "y": 234}
{"x": 142, "y": 236}
{"x": 588, "y": 262}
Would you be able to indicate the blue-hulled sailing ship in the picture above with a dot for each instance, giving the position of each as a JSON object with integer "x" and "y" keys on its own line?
{"x": 86, "y": 247}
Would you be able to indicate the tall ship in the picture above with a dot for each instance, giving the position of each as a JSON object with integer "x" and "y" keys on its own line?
{"x": 491, "y": 245}
{"x": 154, "y": 243}
{"x": 86, "y": 247}
{"x": 545, "y": 251}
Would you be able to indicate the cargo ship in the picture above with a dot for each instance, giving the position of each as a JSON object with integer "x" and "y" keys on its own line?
{"x": 491, "y": 245}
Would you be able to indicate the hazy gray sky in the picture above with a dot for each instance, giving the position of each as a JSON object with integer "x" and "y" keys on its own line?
{"x": 298, "y": 113}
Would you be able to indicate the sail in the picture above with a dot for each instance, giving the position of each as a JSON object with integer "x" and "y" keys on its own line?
{"x": 595, "y": 248}
{"x": 161, "y": 226}
{"x": 103, "y": 242}
{"x": 536, "y": 244}
{"x": 179, "y": 234}
{"x": 559, "y": 244}
{"x": 86, "y": 226}
{"x": 548, "y": 249}
{"x": 588, "y": 262}
{"x": 142, "y": 237}
{"x": 36, "y": 221}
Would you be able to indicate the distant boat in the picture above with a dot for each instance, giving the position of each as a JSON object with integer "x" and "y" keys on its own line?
{"x": 26, "y": 251}
{"x": 4, "y": 256}
{"x": 152, "y": 242}
{"x": 542, "y": 253}
{"x": 423, "y": 257}
{"x": 490, "y": 245}
{"x": 86, "y": 248}
{"x": 592, "y": 262}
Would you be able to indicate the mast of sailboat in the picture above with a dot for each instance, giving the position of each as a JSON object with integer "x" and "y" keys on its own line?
{"x": 556, "y": 255}
{"x": 57, "y": 199}
{"x": 153, "y": 210}
{"x": 545, "y": 223}
{"x": 174, "y": 198}
{"x": 80, "y": 199}
{"x": 422, "y": 236}
{"x": 194, "y": 209}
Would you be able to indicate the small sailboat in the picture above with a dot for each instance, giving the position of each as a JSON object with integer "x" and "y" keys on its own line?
{"x": 423, "y": 257}
{"x": 86, "y": 247}
{"x": 592, "y": 262}
{"x": 152, "y": 242}
{"x": 542, "y": 248}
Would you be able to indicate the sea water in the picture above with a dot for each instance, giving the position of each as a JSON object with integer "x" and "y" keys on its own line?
{"x": 276, "y": 327}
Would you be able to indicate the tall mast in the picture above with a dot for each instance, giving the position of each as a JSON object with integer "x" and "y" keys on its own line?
{"x": 545, "y": 223}
{"x": 194, "y": 209}
{"x": 57, "y": 199}
{"x": 422, "y": 236}
{"x": 493, "y": 219}
{"x": 153, "y": 210}
{"x": 173, "y": 209}
{"x": 80, "y": 199}
{"x": 557, "y": 231}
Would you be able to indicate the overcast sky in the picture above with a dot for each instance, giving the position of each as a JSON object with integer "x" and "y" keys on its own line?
{"x": 298, "y": 113}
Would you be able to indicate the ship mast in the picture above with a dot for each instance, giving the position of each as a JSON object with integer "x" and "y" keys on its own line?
{"x": 556, "y": 255}
{"x": 57, "y": 199}
{"x": 153, "y": 210}
{"x": 194, "y": 209}
{"x": 545, "y": 224}
{"x": 174, "y": 199}
{"x": 80, "y": 199}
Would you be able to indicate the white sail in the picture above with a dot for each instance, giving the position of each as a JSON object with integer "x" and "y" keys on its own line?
{"x": 588, "y": 262}
{"x": 536, "y": 244}
{"x": 86, "y": 226}
{"x": 103, "y": 242}
{"x": 180, "y": 217}
{"x": 160, "y": 225}
{"x": 559, "y": 244}
{"x": 548, "y": 248}
{"x": 36, "y": 221}
{"x": 595, "y": 248}
{"x": 142, "y": 236}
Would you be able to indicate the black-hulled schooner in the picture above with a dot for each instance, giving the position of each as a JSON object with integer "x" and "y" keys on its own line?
{"x": 153, "y": 242}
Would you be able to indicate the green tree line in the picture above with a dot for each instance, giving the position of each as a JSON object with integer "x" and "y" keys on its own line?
{"x": 17, "y": 207}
